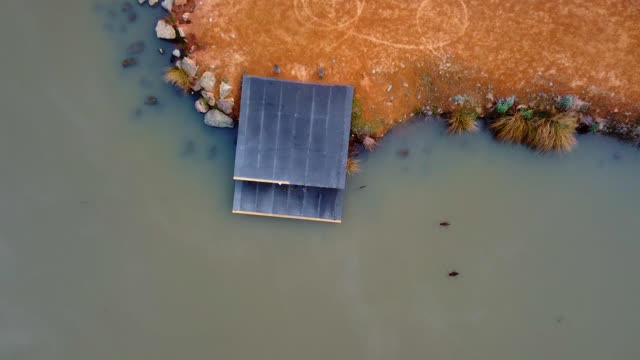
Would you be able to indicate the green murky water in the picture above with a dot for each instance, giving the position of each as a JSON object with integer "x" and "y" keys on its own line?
{"x": 117, "y": 240}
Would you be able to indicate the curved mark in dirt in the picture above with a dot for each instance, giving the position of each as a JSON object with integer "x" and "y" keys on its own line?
{"x": 437, "y": 22}
{"x": 328, "y": 14}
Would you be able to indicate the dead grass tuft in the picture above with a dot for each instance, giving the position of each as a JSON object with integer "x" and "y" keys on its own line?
{"x": 556, "y": 133}
{"x": 463, "y": 120}
{"x": 353, "y": 166}
{"x": 513, "y": 129}
{"x": 177, "y": 77}
{"x": 369, "y": 143}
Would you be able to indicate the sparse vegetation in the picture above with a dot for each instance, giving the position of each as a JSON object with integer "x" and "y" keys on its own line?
{"x": 564, "y": 103}
{"x": 178, "y": 77}
{"x": 503, "y": 105}
{"x": 556, "y": 133}
{"x": 362, "y": 127}
{"x": 353, "y": 166}
{"x": 517, "y": 128}
{"x": 463, "y": 120}
{"x": 369, "y": 143}
{"x": 548, "y": 126}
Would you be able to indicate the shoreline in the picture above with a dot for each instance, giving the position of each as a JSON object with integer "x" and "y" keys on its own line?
{"x": 219, "y": 100}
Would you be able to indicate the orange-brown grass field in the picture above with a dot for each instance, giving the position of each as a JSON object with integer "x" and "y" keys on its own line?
{"x": 403, "y": 55}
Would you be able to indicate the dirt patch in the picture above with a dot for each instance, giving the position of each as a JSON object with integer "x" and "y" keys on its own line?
{"x": 403, "y": 54}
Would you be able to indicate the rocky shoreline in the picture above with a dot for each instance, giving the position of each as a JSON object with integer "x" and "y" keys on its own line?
{"x": 217, "y": 99}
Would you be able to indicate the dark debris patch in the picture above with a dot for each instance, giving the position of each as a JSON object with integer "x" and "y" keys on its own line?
{"x": 136, "y": 47}
{"x": 128, "y": 62}
{"x": 151, "y": 100}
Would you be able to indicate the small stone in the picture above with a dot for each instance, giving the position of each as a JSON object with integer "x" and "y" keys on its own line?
{"x": 321, "y": 72}
{"x": 185, "y": 16}
{"x": 389, "y": 88}
{"x": 202, "y": 106}
{"x": 167, "y": 4}
{"x": 129, "y": 62}
{"x": 211, "y": 99}
{"x": 181, "y": 32}
{"x": 164, "y": 30}
{"x": 226, "y": 105}
{"x": 151, "y": 100}
{"x": 153, "y": 2}
{"x": 207, "y": 81}
{"x": 196, "y": 86}
{"x": 141, "y": 1}
{"x": 135, "y": 47}
{"x": 176, "y": 53}
{"x": 161, "y": 51}
{"x": 179, "y": 2}
{"x": 276, "y": 69}
{"x": 225, "y": 90}
{"x": 405, "y": 84}
{"x": 189, "y": 66}
{"x": 216, "y": 118}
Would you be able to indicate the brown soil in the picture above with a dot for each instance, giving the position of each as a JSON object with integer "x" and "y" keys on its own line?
{"x": 404, "y": 54}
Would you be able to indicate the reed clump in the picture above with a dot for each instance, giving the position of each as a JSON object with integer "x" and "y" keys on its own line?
{"x": 463, "y": 120}
{"x": 353, "y": 166}
{"x": 178, "y": 78}
{"x": 546, "y": 127}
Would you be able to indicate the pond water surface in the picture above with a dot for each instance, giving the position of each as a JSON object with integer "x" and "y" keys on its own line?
{"x": 117, "y": 239}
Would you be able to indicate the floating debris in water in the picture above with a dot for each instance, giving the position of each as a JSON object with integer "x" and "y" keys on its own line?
{"x": 213, "y": 152}
{"x": 161, "y": 51}
{"x": 151, "y": 100}
{"x": 128, "y": 62}
{"x": 445, "y": 224}
{"x": 136, "y": 47}
{"x": 188, "y": 149}
{"x": 363, "y": 186}
{"x": 132, "y": 17}
{"x": 454, "y": 274}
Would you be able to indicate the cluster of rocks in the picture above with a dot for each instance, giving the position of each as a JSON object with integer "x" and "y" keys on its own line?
{"x": 215, "y": 105}
{"x": 167, "y": 4}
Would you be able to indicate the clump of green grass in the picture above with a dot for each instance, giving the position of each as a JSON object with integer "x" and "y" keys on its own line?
{"x": 463, "y": 120}
{"x": 517, "y": 128}
{"x": 353, "y": 166}
{"x": 178, "y": 77}
{"x": 503, "y": 105}
{"x": 362, "y": 127}
{"x": 556, "y": 133}
{"x": 564, "y": 103}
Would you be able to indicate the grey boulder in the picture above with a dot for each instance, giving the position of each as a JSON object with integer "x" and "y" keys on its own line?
{"x": 216, "y": 118}
{"x": 164, "y": 30}
{"x": 189, "y": 66}
{"x": 207, "y": 81}
{"x": 225, "y": 90}
{"x": 226, "y": 105}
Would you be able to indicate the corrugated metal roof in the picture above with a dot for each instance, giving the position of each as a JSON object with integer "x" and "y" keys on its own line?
{"x": 288, "y": 201}
{"x": 293, "y": 133}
